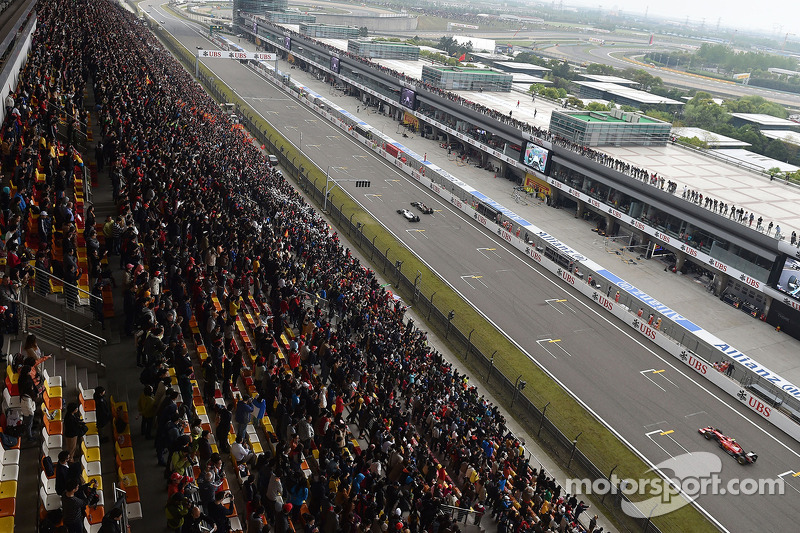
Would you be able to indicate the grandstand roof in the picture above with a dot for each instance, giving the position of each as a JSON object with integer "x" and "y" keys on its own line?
{"x": 609, "y": 79}
{"x": 714, "y": 140}
{"x": 790, "y": 137}
{"x": 513, "y": 66}
{"x": 762, "y": 162}
{"x": 765, "y": 120}
{"x": 628, "y": 93}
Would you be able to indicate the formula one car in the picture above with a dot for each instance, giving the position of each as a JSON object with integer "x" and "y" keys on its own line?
{"x": 422, "y": 207}
{"x": 729, "y": 445}
{"x": 408, "y": 215}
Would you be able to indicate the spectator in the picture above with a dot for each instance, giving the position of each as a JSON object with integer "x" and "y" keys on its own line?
{"x": 110, "y": 522}
{"x": 242, "y": 453}
{"x": 244, "y": 409}
{"x": 102, "y": 411}
{"x": 72, "y": 507}
{"x": 146, "y": 406}
{"x": 176, "y": 511}
{"x": 74, "y": 429}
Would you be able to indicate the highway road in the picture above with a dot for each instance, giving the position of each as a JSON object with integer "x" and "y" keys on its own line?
{"x": 651, "y": 403}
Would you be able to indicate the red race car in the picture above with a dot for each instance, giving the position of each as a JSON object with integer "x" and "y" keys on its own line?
{"x": 729, "y": 444}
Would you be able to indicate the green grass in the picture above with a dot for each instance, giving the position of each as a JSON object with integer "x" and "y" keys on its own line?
{"x": 597, "y": 442}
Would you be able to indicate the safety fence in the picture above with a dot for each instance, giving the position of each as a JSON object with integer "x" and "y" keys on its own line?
{"x": 71, "y": 338}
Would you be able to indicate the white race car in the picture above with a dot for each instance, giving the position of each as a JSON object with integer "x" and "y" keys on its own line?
{"x": 408, "y": 215}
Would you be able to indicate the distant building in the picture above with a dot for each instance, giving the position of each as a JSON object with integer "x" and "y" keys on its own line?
{"x": 622, "y": 95}
{"x": 764, "y": 122}
{"x": 616, "y": 80}
{"x": 328, "y": 31}
{"x": 783, "y": 71}
{"x": 290, "y": 17}
{"x": 612, "y": 128}
{"x": 258, "y": 7}
{"x": 383, "y": 49}
{"x": 522, "y": 68}
{"x": 713, "y": 140}
{"x": 466, "y": 79}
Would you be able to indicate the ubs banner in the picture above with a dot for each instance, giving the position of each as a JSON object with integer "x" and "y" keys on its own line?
{"x": 781, "y": 314}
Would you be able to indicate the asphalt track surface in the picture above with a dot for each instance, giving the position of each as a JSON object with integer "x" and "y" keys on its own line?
{"x": 612, "y": 372}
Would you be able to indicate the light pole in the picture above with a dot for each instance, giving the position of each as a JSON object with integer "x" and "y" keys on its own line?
{"x": 327, "y": 179}
{"x": 519, "y": 384}
{"x": 574, "y": 447}
{"x": 197, "y": 63}
{"x": 491, "y": 367}
{"x": 450, "y": 316}
{"x": 541, "y": 422}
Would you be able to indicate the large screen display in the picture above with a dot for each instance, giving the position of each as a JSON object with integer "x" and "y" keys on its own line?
{"x": 536, "y": 157}
{"x": 287, "y": 43}
{"x": 335, "y": 64}
{"x": 789, "y": 282}
{"x": 408, "y": 98}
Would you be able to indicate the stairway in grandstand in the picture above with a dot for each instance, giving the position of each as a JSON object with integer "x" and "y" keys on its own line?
{"x": 22, "y": 471}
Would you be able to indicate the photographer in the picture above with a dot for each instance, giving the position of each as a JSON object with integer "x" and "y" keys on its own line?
{"x": 218, "y": 511}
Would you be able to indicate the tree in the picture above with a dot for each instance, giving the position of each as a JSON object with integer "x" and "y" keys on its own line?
{"x": 752, "y": 136}
{"x": 448, "y": 44}
{"x": 575, "y": 102}
{"x": 756, "y": 104}
{"x": 702, "y": 112}
{"x": 643, "y": 78}
{"x": 531, "y": 58}
{"x": 774, "y": 172}
{"x": 660, "y": 115}
{"x": 536, "y": 88}
{"x": 597, "y": 68}
{"x": 561, "y": 69}
{"x": 777, "y": 150}
{"x": 597, "y": 106}
{"x": 453, "y": 47}
{"x": 693, "y": 141}
{"x": 363, "y": 31}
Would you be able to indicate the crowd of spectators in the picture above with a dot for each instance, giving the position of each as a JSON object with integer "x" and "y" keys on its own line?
{"x": 644, "y": 175}
{"x": 203, "y": 215}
